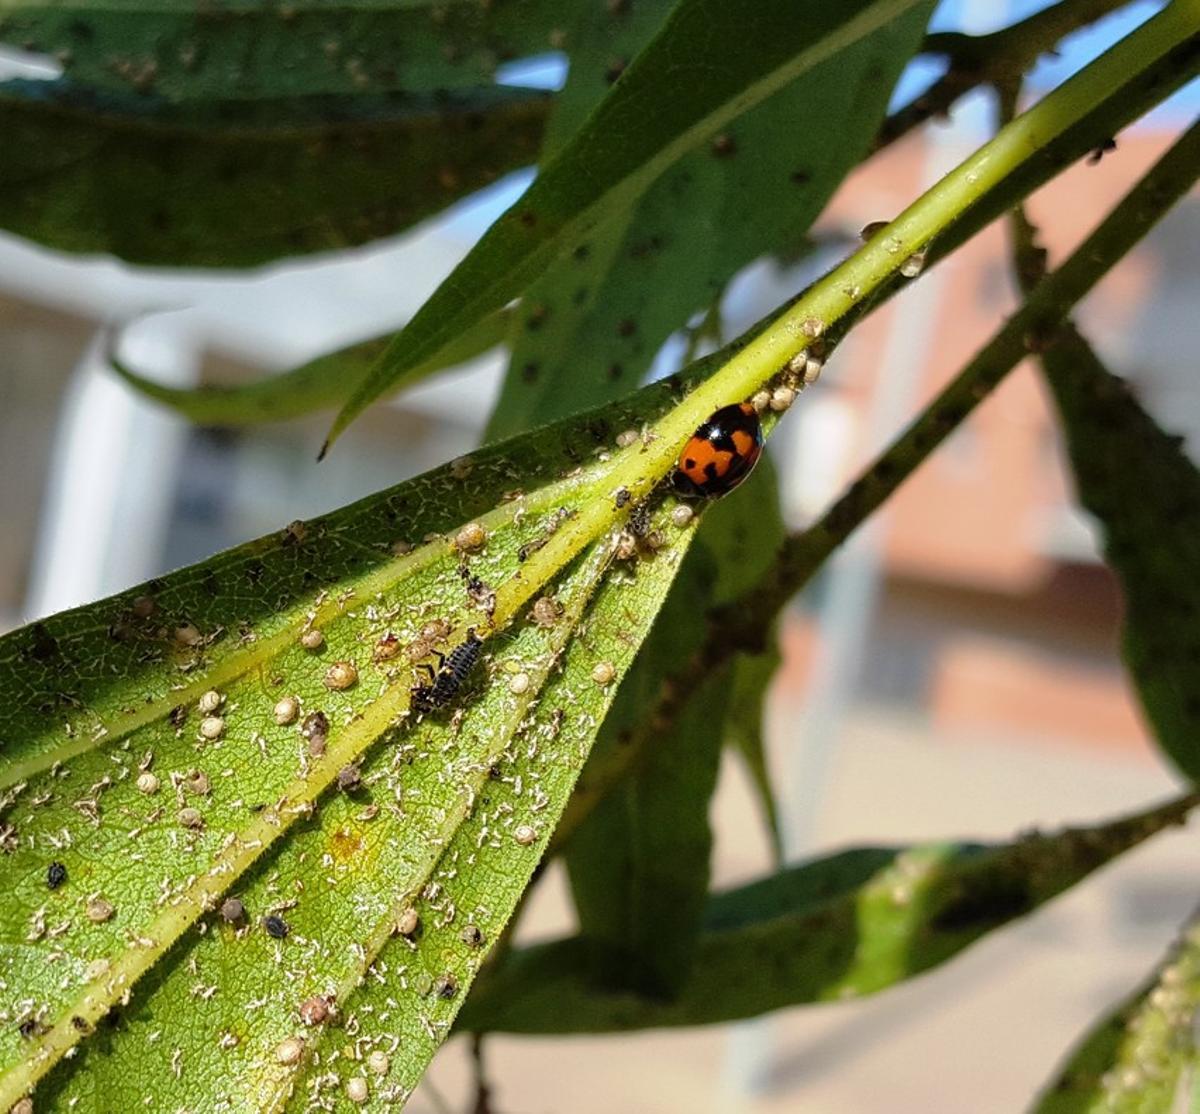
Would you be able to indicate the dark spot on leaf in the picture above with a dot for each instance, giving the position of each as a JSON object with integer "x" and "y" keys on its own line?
{"x": 800, "y": 177}
{"x": 982, "y": 904}
{"x": 44, "y": 645}
{"x": 615, "y": 371}
{"x": 344, "y": 844}
{"x": 626, "y": 327}
{"x": 1101, "y": 150}
{"x": 56, "y": 875}
{"x": 529, "y": 371}
{"x": 614, "y": 69}
{"x": 724, "y": 146}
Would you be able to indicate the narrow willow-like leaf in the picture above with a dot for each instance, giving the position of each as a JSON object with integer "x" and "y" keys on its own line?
{"x": 602, "y": 312}
{"x": 317, "y": 385}
{"x": 639, "y": 864}
{"x": 227, "y": 183}
{"x": 1142, "y": 1057}
{"x": 745, "y": 730}
{"x": 656, "y": 113}
{"x": 848, "y": 925}
{"x": 251, "y": 50}
{"x": 148, "y": 754}
{"x": 1139, "y": 483}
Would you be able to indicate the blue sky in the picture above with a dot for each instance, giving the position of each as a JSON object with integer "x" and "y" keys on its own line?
{"x": 1079, "y": 49}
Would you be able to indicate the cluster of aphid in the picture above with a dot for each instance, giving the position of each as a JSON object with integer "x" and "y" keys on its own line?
{"x": 719, "y": 456}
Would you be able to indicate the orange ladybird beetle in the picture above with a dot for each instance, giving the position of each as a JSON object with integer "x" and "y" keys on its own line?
{"x": 721, "y": 453}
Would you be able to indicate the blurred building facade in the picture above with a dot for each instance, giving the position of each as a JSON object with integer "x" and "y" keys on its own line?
{"x": 997, "y": 615}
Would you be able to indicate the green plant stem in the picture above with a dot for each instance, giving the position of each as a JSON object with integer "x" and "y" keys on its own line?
{"x": 637, "y": 470}
{"x": 741, "y": 626}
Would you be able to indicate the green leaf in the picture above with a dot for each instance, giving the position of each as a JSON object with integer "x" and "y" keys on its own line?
{"x": 225, "y": 183}
{"x": 744, "y": 534}
{"x": 317, "y": 385}
{"x": 639, "y": 864}
{"x": 851, "y": 924}
{"x": 602, "y": 312}
{"x": 131, "y": 983}
{"x": 1139, "y": 483}
{"x": 744, "y": 730}
{"x": 656, "y": 113}
{"x": 1141, "y": 1058}
{"x": 252, "y": 50}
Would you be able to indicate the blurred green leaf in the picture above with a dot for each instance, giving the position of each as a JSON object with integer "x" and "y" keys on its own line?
{"x": 639, "y": 864}
{"x": 603, "y": 311}
{"x": 146, "y": 751}
{"x": 851, "y": 924}
{"x": 1142, "y": 1057}
{"x": 655, "y": 114}
{"x": 179, "y": 51}
{"x": 1139, "y": 483}
{"x": 317, "y": 385}
{"x": 744, "y": 729}
{"x": 225, "y": 183}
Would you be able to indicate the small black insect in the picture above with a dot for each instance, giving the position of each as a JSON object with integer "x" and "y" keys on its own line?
{"x": 56, "y": 875}
{"x": 445, "y": 681}
{"x": 276, "y": 926}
